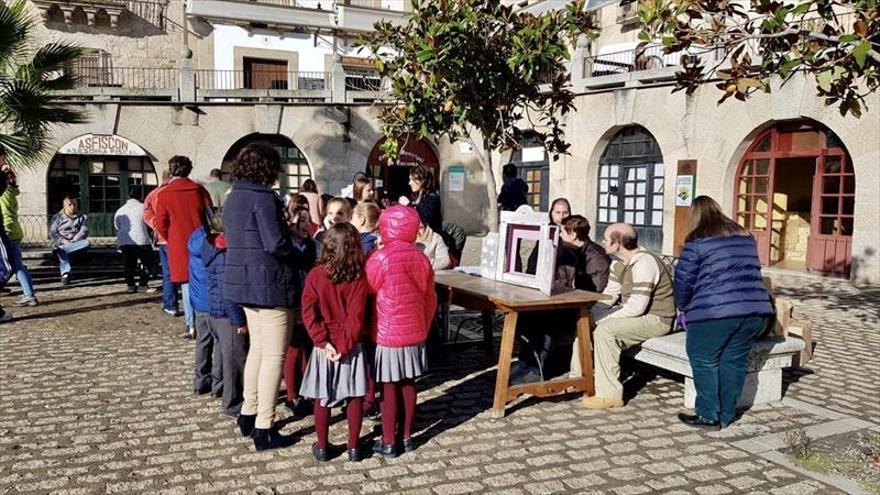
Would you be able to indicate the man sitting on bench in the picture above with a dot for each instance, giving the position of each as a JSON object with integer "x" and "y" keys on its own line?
{"x": 642, "y": 307}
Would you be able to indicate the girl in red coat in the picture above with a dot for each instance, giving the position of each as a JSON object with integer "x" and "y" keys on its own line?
{"x": 402, "y": 278}
{"x": 333, "y": 304}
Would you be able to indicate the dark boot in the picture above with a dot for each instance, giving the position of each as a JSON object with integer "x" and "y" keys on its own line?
{"x": 246, "y": 424}
{"x": 354, "y": 455}
{"x": 269, "y": 438}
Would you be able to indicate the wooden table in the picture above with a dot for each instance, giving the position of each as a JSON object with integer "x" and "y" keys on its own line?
{"x": 473, "y": 292}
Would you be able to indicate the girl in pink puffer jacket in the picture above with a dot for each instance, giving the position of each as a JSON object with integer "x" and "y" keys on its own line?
{"x": 402, "y": 279}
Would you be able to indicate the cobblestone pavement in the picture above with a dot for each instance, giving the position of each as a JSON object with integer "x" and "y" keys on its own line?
{"x": 97, "y": 399}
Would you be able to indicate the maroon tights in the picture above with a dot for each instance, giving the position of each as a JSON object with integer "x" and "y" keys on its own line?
{"x": 295, "y": 362}
{"x": 390, "y": 410}
{"x": 353, "y": 411}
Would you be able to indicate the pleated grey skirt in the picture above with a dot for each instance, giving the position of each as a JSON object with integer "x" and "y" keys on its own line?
{"x": 393, "y": 364}
{"x": 332, "y": 382}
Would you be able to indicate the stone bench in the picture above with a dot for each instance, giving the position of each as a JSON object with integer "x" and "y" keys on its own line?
{"x": 764, "y": 372}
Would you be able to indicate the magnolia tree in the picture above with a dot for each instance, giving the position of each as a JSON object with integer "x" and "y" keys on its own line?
{"x": 475, "y": 70}
{"x": 837, "y": 41}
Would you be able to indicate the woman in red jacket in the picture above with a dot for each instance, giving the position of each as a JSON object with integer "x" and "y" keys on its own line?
{"x": 402, "y": 278}
{"x": 333, "y": 304}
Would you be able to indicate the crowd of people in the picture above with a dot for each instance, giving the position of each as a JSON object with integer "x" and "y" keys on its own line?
{"x": 335, "y": 295}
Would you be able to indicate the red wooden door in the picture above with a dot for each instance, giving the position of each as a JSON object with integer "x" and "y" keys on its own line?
{"x": 754, "y": 194}
{"x": 829, "y": 247}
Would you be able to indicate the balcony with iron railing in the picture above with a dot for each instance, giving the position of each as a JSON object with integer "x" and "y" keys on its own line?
{"x": 211, "y": 84}
{"x": 323, "y": 15}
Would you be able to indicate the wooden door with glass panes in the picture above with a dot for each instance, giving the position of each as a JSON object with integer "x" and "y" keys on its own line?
{"x": 631, "y": 186}
{"x": 829, "y": 247}
{"x": 537, "y": 178}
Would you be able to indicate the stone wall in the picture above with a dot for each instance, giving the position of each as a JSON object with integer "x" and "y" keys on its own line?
{"x": 716, "y": 136}
{"x": 146, "y": 36}
{"x": 206, "y": 134}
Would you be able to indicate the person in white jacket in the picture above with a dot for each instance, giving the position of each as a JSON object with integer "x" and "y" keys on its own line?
{"x": 432, "y": 244}
{"x": 133, "y": 238}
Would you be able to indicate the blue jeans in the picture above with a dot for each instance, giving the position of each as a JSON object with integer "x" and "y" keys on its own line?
{"x": 21, "y": 271}
{"x": 189, "y": 315}
{"x": 65, "y": 250}
{"x": 169, "y": 291}
{"x": 717, "y": 351}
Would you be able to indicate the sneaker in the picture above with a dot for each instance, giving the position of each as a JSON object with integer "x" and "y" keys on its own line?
{"x": 596, "y": 402}
{"x": 150, "y": 290}
{"x": 188, "y": 333}
{"x": 27, "y": 301}
{"x": 65, "y": 279}
{"x": 131, "y": 289}
{"x": 171, "y": 312}
{"x": 5, "y": 316}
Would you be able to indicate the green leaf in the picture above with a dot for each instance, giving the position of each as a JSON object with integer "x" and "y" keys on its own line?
{"x": 848, "y": 39}
{"x": 861, "y": 53}
{"x": 824, "y": 80}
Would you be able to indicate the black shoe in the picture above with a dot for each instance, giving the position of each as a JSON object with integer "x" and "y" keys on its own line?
{"x": 217, "y": 395}
{"x": 202, "y": 391}
{"x": 354, "y": 455}
{"x": 407, "y": 444}
{"x": 386, "y": 451}
{"x": 65, "y": 279}
{"x": 269, "y": 438}
{"x": 699, "y": 422}
{"x": 246, "y": 424}
{"x": 321, "y": 455}
{"x": 131, "y": 289}
{"x": 299, "y": 407}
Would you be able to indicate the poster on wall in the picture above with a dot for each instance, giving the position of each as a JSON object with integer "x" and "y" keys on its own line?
{"x": 456, "y": 178}
{"x": 684, "y": 190}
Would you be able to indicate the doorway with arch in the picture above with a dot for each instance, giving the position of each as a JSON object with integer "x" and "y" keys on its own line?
{"x": 102, "y": 171}
{"x": 795, "y": 191}
{"x": 295, "y": 168}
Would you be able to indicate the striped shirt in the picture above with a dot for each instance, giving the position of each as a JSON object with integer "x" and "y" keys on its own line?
{"x": 642, "y": 286}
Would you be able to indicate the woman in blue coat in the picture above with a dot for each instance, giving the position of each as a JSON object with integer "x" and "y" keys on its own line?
{"x": 718, "y": 287}
{"x": 260, "y": 277}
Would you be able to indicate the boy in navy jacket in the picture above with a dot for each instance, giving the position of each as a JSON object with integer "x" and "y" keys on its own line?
{"x": 226, "y": 320}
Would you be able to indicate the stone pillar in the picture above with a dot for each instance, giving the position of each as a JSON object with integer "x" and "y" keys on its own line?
{"x": 186, "y": 84}
{"x": 337, "y": 81}
{"x": 578, "y": 60}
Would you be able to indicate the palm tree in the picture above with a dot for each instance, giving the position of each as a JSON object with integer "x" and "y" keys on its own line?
{"x": 27, "y": 78}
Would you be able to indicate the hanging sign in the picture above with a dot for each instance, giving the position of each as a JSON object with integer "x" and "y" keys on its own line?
{"x": 102, "y": 144}
{"x": 455, "y": 181}
{"x": 684, "y": 190}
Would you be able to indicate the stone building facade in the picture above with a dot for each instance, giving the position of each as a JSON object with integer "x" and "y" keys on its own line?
{"x": 803, "y": 178}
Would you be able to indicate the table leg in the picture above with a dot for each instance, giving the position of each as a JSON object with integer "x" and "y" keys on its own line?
{"x": 488, "y": 321}
{"x": 585, "y": 348}
{"x": 502, "y": 379}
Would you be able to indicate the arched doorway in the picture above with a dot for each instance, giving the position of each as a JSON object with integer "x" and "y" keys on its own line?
{"x": 533, "y": 166}
{"x": 795, "y": 191}
{"x": 631, "y": 186}
{"x": 101, "y": 170}
{"x": 295, "y": 167}
{"x": 391, "y": 180}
